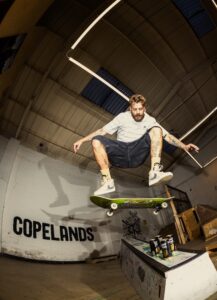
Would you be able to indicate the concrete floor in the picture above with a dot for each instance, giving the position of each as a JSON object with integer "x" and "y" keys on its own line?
{"x": 26, "y": 280}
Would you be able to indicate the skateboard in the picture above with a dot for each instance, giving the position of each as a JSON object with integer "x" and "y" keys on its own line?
{"x": 113, "y": 204}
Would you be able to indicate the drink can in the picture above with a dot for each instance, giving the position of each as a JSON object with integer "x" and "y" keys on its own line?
{"x": 158, "y": 238}
{"x": 164, "y": 248}
{"x": 152, "y": 246}
{"x": 168, "y": 248}
{"x": 171, "y": 244}
{"x": 155, "y": 249}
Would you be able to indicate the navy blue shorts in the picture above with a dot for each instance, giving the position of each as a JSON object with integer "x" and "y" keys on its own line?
{"x": 126, "y": 155}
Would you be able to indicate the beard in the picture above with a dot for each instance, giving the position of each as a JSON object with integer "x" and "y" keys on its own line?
{"x": 138, "y": 118}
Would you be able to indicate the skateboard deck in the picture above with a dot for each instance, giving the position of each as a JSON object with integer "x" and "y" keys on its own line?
{"x": 121, "y": 203}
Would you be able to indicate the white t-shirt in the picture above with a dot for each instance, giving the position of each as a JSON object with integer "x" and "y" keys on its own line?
{"x": 128, "y": 130}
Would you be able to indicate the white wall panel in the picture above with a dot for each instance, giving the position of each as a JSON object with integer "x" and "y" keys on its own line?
{"x": 46, "y": 199}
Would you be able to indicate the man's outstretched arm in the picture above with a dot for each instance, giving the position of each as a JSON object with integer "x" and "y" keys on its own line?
{"x": 171, "y": 139}
{"x": 77, "y": 145}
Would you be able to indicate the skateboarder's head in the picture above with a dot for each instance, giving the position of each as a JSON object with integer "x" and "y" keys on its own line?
{"x": 137, "y": 107}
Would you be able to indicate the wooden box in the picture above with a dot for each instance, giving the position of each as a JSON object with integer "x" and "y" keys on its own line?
{"x": 210, "y": 229}
{"x": 190, "y": 223}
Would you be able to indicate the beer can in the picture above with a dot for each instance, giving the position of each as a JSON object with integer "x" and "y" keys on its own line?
{"x": 164, "y": 248}
{"x": 152, "y": 246}
{"x": 171, "y": 244}
{"x": 155, "y": 249}
{"x": 158, "y": 238}
{"x": 168, "y": 248}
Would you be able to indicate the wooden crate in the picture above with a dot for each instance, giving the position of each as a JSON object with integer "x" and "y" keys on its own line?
{"x": 190, "y": 223}
{"x": 210, "y": 229}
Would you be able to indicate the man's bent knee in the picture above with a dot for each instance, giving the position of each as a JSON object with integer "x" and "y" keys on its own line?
{"x": 96, "y": 143}
{"x": 156, "y": 131}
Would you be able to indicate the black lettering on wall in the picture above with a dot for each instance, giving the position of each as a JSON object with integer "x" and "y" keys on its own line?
{"x": 45, "y": 231}
{"x": 17, "y": 221}
{"x": 27, "y": 227}
{"x": 53, "y": 237}
{"x": 82, "y": 234}
{"x": 73, "y": 234}
{"x": 64, "y": 233}
{"x": 90, "y": 235}
{"x": 36, "y": 228}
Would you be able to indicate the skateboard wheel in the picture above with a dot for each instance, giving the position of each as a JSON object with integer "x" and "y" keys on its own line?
{"x": 114, "y": 206}
{"x": 164, "y": 205}
{"x": 155, "y": 212}
{"x": 109, "y": 213}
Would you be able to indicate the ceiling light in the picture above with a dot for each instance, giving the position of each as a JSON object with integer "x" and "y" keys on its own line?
{"x": 209, "y": 162}
{"x": 94, "y": 23}
{"x": 213, "y": 1}
{"x": 198, "y": 124}
{"x": 74, "y": 61}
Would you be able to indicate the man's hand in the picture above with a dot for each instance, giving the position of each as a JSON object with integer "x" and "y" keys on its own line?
{"x": 191, "y": 147}
{"x": 89, "y": 137}
{"x": 77, "y": 145}
{"x": 171, "y": 139}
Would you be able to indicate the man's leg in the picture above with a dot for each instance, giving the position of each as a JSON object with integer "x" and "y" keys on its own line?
{"x": 100, "y": 155}
{"x": 156, "y": 145}
{"x": 156, "y": 175}
{"x": 103, "y": 162}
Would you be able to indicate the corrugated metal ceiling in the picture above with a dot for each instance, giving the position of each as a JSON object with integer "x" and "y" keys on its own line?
{"x": 147, "y": 45}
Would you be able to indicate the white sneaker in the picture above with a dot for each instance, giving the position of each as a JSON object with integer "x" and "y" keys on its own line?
{"x": 156, "y": 176}
{"x": 106, "y": 187}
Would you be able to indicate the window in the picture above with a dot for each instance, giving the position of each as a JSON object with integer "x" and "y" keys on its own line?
{"x": 103, "y": 96}
{"x": 196, "y": 15}
{"x": 8, "y": 50}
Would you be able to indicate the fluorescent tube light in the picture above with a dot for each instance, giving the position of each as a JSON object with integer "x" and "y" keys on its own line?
{"x": 94, "y": 23}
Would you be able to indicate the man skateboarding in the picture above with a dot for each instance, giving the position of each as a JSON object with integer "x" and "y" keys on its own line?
{"x": 138, "y": 134}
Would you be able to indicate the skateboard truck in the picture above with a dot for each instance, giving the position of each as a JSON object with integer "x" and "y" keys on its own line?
{"x": 159, "y": 207}
{"x": 113, "y": 207}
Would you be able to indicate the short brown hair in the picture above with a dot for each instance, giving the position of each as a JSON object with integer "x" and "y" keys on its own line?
{"x": 137, "y": 99}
